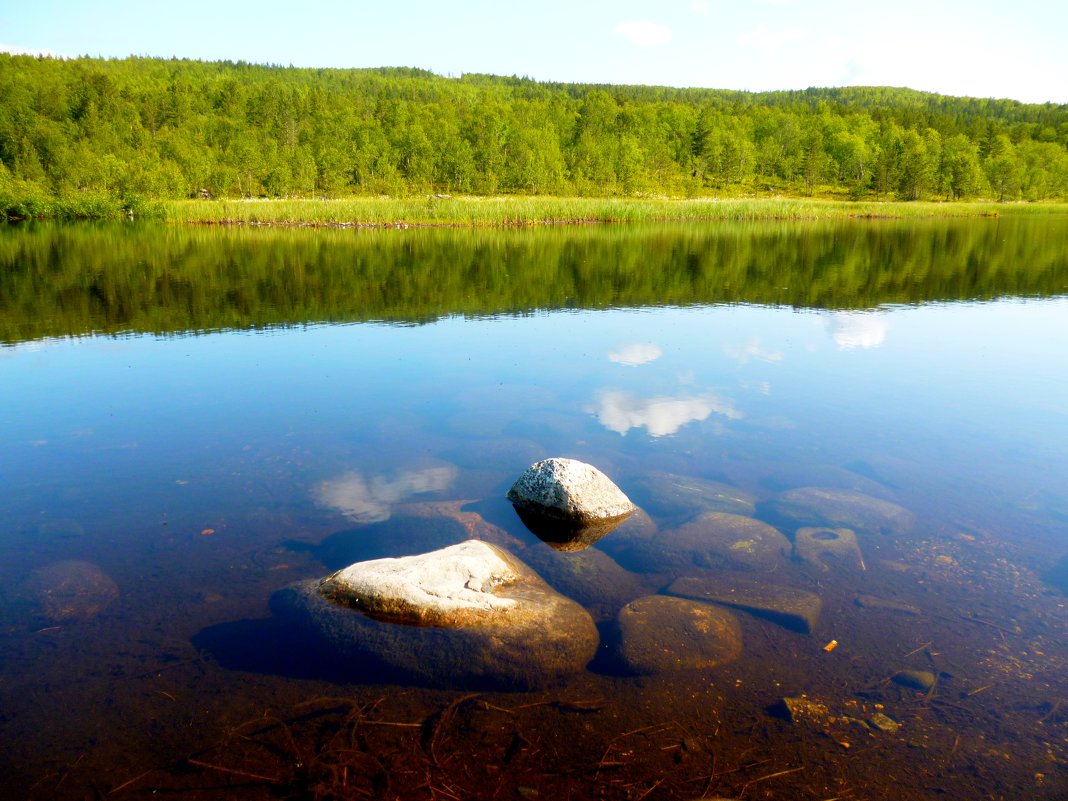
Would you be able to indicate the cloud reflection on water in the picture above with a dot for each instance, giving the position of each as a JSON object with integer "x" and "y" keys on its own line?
{"x": 851, "y": 330}
{"x": 636, "y": 353}
{"x": 752, "y": 349}
{"x": 371, "y": 499}
{"x": 621, "y": 411}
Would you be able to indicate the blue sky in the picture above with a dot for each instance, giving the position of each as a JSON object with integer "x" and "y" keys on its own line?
{"x": 977, "y": 48}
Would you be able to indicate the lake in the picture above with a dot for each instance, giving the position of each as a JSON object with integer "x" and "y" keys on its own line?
{"x": 193, "y": 419}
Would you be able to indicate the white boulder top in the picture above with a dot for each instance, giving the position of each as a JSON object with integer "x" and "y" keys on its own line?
{"x": 571, "y": 489}
{"x": 459, "y": 578}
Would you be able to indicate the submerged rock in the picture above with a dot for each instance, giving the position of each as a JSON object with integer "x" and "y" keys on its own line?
{"x": 679, "y": 498}
{"x": 790, "y": 608}
{"x": 591, "y": 577}
{"x": 570, "y": 491}
{"x": 713, "y": 540}
{"x": 823, "y": 506}
{"x": 883, "y": 723}
{"x": 802, "y": 709}
{"x": 658, "y": 634}
{"x": 888, "y": 604}
{"x": 467, "y": 614}
{"x": 824, "y": 547}
{"x": 922, "y": 680}
{"x": 68, "y": 590}
{"x": 818, "y": 714}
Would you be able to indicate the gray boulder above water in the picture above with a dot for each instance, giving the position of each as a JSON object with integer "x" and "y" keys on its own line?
{"x": 466, "y": 614}
{"x": 569, "y": 490}
{"x": 567, "y": 503}
{"x": 824, "y": 506}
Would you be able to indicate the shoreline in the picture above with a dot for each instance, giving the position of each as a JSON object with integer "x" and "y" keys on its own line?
{"x": 532, "y": 211}
{"x": 517, "y": 211}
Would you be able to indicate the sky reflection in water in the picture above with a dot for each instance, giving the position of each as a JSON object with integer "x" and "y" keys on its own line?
{"x": 370, "y": 404}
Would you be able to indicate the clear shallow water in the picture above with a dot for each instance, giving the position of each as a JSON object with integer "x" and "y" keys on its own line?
{"x": 203, "y": 473}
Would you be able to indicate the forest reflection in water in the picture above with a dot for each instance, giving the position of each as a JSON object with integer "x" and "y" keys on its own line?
{"x": 172, "y": 485}
{"x": 76, "y": 280}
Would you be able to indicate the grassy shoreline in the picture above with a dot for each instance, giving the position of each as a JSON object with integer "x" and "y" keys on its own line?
{"x": 501, "y": 211}
{"x": 476, "y": 212}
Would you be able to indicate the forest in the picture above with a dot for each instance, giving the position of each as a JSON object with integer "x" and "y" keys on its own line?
{"x": 141, "y": 129}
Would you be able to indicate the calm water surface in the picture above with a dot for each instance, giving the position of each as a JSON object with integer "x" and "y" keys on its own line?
{"x": 190, "y": 420}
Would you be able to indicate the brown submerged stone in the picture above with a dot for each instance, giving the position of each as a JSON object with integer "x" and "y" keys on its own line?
{"x": 659, "y": 634}
{"x": 790, "y": 608}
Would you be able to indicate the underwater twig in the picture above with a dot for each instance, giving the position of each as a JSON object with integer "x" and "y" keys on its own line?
{"x": 444, "y": 718}
{"x": 980, "y": 621}
{"x": 233, "y": 771}
{"x": 128, "y": 782}
{"x": 769, "y": 776}
{"x": 1049, "y": 715}
{"x": 655, "y": 785}
{"x": 917, "y": 650}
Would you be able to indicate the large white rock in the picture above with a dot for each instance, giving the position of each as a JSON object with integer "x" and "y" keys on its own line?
{"x": 468, "y": 614}
{"x": 452, "y": 586}
{"x": 569, "y": 490}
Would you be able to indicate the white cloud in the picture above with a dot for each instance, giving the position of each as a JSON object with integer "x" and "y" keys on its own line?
{"x": 371, "y": 500}
{"x": 644, "y": 33}
{"x": 771, "y": 41}
{"x": 635, "y": 354}
{"x": 853, "y": 330}
{"x": 752, "y": 350}
{"x": 621, "y": 411}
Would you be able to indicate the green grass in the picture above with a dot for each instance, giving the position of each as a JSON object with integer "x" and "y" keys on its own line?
{"x": 484, "y": 212}
{"x": 22, "y": 202}
{"x": 523, "y": 211}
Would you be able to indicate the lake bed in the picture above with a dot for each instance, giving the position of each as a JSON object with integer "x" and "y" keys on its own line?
{"x": 205, "y": 417}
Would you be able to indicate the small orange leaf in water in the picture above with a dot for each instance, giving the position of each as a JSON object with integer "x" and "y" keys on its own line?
{"x": 830, "y": 646}
{"x": 207, "y": 531}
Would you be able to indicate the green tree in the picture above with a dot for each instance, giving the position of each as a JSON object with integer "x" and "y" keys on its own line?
{"x": 960, "y": 160}
{"x": 1003, "y": 168}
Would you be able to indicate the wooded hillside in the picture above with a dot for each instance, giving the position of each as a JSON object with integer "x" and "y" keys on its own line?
{"x": 151, "y": 128}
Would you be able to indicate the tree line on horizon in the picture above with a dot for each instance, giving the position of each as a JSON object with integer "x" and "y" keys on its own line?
{"x": 146, "y": 128}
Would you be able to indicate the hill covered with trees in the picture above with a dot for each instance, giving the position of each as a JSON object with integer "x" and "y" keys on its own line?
{"x": 141, "y": 128}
